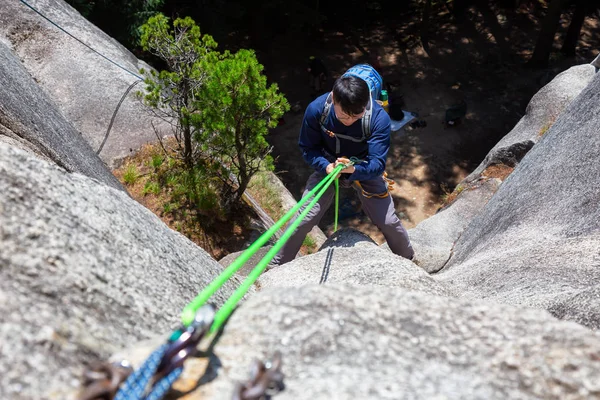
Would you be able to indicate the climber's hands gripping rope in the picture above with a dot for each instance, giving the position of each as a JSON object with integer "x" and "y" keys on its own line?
{"x": 349, "y": 169}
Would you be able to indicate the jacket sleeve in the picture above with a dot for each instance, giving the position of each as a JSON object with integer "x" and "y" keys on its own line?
{"x": 311, "y": 140}
{"x": 378, "y": 147}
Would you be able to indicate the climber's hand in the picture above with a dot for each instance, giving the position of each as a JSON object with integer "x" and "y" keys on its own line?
{"x": 343, "y": 160}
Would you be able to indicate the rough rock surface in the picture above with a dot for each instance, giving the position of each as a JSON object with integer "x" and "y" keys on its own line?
{"x": 363, "y": 264}
{"x": 250, "y": 264}
{"x": 346, "y": 237}
{"x": 85, "y": 86}
{"x": 536, "y": 242}
{"x": 84, "y": 271}
{"x": 542, "y": 111}
{"x": 30, "y": 120}
{"x": 341, "y": 342}
{"x": 434, "y": 238}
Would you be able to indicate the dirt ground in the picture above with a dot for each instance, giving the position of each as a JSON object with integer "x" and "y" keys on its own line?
{"x": 457, "y": 62}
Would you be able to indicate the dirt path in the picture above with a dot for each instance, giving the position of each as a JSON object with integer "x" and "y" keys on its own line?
{"x": 461, "y": 63}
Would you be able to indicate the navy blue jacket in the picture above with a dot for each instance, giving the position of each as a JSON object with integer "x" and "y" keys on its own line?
{"x": 313, "y": 141}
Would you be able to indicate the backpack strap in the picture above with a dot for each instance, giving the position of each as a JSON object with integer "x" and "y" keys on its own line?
{"x": 365, "y": 124}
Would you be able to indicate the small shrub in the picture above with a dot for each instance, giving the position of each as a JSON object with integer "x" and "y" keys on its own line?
{"x": 310, "y": 244}
{"x": 448, "y": 197}
{"x": 168, "y": 208}
{"x": 194, "y": 188}
{"x": 171, "y": 180}
{"x": 544, "y": 129}
{"x": 157, "y": 161}
{"x": 131, "y": 175}
{"x": 151, "y": 187}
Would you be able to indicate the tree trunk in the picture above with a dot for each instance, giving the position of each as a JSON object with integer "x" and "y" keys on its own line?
{"x": 570, "y": 43}
{"x": 491, "y": 20}
{"x": 459, "y": 8}
{"x": 425, "y": 26}
{"x": 187, "y": 129}
{"x": 543, "y": 47}
{"x": 187, "y": 145}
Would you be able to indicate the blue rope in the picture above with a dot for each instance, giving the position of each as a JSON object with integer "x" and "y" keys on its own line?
{"x": 135, "y": 386}
{"x": 100, "y": 54}
{"x": 164, "y": 385}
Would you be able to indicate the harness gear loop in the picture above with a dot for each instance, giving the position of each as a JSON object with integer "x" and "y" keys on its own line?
{"x": 389, "y": 186}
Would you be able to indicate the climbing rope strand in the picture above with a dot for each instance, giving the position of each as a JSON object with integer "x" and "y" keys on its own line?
{"x": 337, "y": 204}
{"x": 187, "y": 316}
{"x": 137, "y": 385}
{"x": 112, "y": 120}
{"x": 227, "y": 308}
{"x": 80, "y": 41}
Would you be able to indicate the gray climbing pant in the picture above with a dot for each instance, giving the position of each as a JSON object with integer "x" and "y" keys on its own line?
{"x": 378, "y": 206}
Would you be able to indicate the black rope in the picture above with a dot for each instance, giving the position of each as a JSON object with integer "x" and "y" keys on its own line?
{"x": 112, "y": 120}
{"x": 100, "y": 54}
{"x": 325, "y": 273}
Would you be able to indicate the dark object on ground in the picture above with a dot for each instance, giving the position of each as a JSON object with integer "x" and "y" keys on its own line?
{"x": 455, "y": 113}
{"x": 418, "y": 124}
{"x": 396, "y": 112}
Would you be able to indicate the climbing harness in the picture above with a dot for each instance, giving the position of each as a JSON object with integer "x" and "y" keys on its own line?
{"x": 389, "y": 185}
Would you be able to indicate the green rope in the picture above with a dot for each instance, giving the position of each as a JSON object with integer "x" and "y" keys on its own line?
{"x": 187, "y": 316}
{"x": 225, "y": 311}
{"x": 337, "y": 204}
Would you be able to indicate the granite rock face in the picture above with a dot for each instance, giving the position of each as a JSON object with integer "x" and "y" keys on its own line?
{"x": 433, "y": 239}
{"x": 30, "y": 120}
{"x": 84, "y": 271}
{"x": 362, "y": 264}
{"x": 341, "y": 342}
{"x": 85, "y": 86}
{"x": 537, "y": 241}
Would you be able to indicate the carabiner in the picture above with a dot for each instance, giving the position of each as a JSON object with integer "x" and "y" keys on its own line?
{"x": 184, "y": 341}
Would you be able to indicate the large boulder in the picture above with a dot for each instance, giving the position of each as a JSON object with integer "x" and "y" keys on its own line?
{"x": 86, "y": 87}
{"x": 363, "y": 263}
{"x": 536, "y": 242}
{"x": 341, "y": 342}
{"x": 541, "y": 113}
{"x": 433, "y": 239}
{"x": 84, "y": 271}
{"x": 30, "y": 120}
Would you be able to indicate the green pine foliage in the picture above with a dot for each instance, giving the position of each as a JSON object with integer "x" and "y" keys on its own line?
{"x": 174, "y": 93}
{"x": 219, "y": 104}
{"x": 240, "y": 109}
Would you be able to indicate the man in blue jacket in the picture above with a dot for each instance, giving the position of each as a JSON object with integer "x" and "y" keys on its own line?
{"x": 330, "y": 135}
